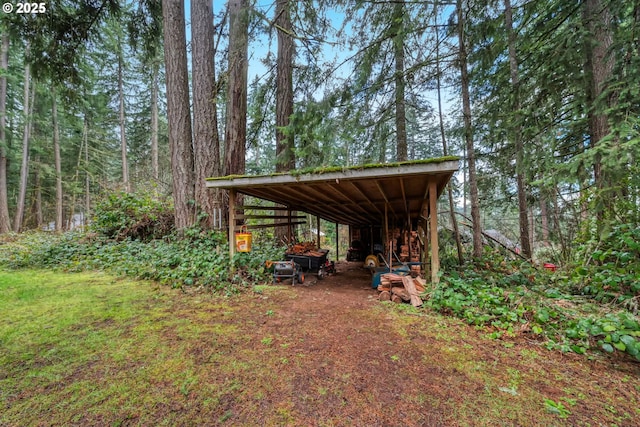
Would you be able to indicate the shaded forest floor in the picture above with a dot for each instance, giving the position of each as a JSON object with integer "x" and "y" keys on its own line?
{"x": 89, "y": 349}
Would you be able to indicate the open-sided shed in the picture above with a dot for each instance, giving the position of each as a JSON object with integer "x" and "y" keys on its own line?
{"x": 359, "y": 196}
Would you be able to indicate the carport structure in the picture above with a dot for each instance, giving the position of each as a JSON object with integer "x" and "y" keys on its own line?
{"x": 403, "y": 193}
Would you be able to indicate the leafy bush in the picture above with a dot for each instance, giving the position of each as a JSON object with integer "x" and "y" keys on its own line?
{"x": 613, "y": 331}
{"x": 140, "y": 216}
{"x": 195, "y": 258}
{"x": 610, "y": 268}
{"x": 509, "y": 297}
{"x": 480, "y": 301}
{"x": 26, "y": 249}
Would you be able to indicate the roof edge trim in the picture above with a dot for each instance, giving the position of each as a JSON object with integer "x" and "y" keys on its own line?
{"x": 436, "y": 165}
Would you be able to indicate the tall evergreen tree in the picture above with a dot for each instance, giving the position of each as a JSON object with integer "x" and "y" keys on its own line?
{"x": 179, "y": 112}
{"x": 205, "y": 120}
{"x": 399, "y": 78}
{"x": 24, "y": 169}
{"x": 381, "y": 97}
{"x": 5, "y": 221}
{"x": 443, "y": 137}
{"x": 468, "y": 130}
{"x": 122, "y": 122}
{"x": 516, "y": 133}
{"x": 57, "y": 160}
{"x": 599, "y": 64}
{"x": 155, "y": 166}
{"x": 236, "y": 126}
{"x": 285, "y": 159}
{"x": 145, "y": 32}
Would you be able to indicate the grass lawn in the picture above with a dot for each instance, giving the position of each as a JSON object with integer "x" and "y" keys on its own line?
{"x": 92, "y": 349}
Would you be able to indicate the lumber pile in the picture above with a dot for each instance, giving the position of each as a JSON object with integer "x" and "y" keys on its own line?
{"x": 398, "y": 288}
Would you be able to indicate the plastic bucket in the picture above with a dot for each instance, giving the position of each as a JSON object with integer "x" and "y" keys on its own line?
{"x": 243, "y": 241}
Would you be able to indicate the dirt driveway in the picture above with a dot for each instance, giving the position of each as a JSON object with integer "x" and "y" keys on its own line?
{"x": 350, "y": 360}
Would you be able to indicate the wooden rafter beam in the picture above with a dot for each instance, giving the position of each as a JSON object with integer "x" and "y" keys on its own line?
{"x": 252, "y": 216}
{"x": 264, "y": 208}
{"x": 386, "y": 199}
{"x": 338, "y": 209}
{"x": 278, "y": 224}
{"x": 362, "y": 193}
{"x": 404, "y": 198}
{"x": 362, "y": 214}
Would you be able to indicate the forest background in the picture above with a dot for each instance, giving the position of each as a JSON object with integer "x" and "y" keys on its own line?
{"x": 108, "y": 107}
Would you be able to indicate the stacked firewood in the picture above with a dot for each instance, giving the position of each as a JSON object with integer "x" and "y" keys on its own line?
{"x": 301, "y": 248}
{"x": 398, "y": 288}
{"x": 408, "y": 245}
{"x": 410, "y": 242}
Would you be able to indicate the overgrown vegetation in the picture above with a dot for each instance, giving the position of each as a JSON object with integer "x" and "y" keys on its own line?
{"x": 139, "y": 215}
{"x": 133, "y": 235}
{"x": 609, "y": 268}
{"x": 194, "y": 259}
{"x": 591, "y": 304}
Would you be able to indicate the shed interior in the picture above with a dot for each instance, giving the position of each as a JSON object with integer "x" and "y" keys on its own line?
{"x": 379, "y": 203}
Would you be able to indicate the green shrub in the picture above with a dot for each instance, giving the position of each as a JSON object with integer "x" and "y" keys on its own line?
{"x": 619, "y": 331}
{"x": 26, "y": 249}
{"x": 517, "y": 297}
{"x": 479, "y": 301}
{"x": 195, "y": 258}
{"x": 139, "y": 216}
{"x": 609, "y": 269}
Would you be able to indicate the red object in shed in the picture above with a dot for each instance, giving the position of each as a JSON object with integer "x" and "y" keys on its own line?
{"x": 549, "y": 266}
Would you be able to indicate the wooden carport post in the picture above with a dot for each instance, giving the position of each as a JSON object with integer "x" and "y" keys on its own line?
{"x": 385, "y": 238}
{"x": 337, "y": 241}
{"x": 433, "y": 225}
{"x": 232, "y": 226}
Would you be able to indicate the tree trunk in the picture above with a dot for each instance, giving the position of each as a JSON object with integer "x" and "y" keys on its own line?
{"x": 398, "y": 54}
{"x": 599, "y": 69}
{"x": 5, "y": 221}
{"x": 236, "y": 127}
{"x": 178, "y": 112}
{"x": 516, "y": 132}
{"x": 24, "y": 169}
{"x": 465, "y": 172}
{"x": 236, "y": 132}
{"x": 445, "y": 152}
{"x": 154, "y": 122}
{"x": 37, "y": 194}
{"x": 87, "y": 177}
{"x": 285, "y": 158}
{"x": 468, "y": 135}
{"x": 544, "y": 218}
{"x": 205, "y": 132}
{"x": 532, "y": 227}
{"x": 122, "y": 121}
{"x": 57, "y": 160}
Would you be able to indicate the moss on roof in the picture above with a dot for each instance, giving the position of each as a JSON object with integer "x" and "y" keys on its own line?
{"x": 329, "y": 169}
